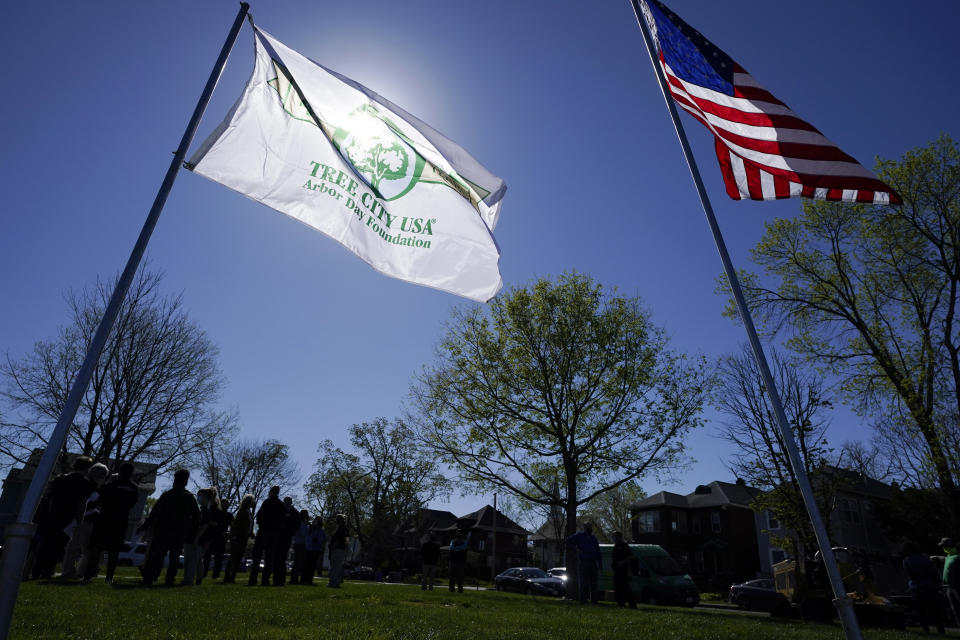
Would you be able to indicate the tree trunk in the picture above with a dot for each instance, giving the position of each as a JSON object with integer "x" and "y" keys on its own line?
{"x": 573, "y": 589}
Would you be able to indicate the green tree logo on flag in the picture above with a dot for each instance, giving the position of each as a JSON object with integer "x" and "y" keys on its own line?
{"x": 388, "y": 164}
{"x": 380, "y": 161}
{"x": 375, "y": 147}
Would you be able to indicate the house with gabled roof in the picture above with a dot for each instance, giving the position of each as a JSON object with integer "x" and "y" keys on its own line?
{"x": 480, "y": 526}
{"x": 712, "y": 532}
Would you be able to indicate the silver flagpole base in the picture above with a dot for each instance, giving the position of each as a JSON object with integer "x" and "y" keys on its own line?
{"x": 16, "y": 545}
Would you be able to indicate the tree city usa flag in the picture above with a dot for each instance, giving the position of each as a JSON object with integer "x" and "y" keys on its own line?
{"x": 333, "y": 154}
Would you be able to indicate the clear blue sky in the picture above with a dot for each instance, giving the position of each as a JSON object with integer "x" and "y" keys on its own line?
{"x": 557, "y": 97}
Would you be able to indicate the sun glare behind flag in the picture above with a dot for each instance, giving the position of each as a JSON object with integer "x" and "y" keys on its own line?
{"x": 765, "y": 150}
{"x": 342, "y": 159}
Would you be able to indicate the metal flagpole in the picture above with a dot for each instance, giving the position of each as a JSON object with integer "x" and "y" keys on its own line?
{"x": 843, "y": 604}
{"x": 18, "y": 535}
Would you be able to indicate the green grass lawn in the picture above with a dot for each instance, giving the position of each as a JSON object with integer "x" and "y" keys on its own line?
{"x": 369, "y": 611}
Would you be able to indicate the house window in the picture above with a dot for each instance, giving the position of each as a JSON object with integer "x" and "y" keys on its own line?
{"x": 648, "y": 521}
{"x": 777, "y": 555}
{"x": 850, "y": 511}
{"x": 695, "y": 523}
{"x": 772, "y": 521}
{"x": 715, "y": 522}
{"x": 678, "y": 522}
{"x": 481, "y": 544}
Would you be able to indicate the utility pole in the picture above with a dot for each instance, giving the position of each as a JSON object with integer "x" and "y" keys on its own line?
{"x": 493, "y": 550}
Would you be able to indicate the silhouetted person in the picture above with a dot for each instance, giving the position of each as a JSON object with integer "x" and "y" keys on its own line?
{"x": 951, "y": 574}
{"x": 281, "y": 549}
{"x": 314, "y": 543}
{"x": 117, "y": 497}
{"x": 195, "y": 551}
{"x": 924, "y": 583}
{"x": 429, "y": 556}
{"x": 241, "y": 530}
{"x": 458, "y": 560}
{"x": 63, "y": 504}
{"x": 338, "y": 551}
{"x": 269, "y": 524}
{"x": 300, "y": 548}
{"x": 82, "y": 528}
{"x": 623, "y": 563}
{"x": 173, "y": 521}
{"x": 588, "y": 563}
{"x": 219, "y": 534}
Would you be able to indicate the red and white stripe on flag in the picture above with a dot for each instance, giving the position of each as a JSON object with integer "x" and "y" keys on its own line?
{"x": 765, "y": 150}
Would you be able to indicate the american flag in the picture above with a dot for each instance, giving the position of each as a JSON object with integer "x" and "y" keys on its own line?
{"x": 765, "y": 150}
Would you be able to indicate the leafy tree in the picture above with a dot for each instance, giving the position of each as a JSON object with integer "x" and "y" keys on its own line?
{"x": 236, "y": 468}
{"x": 760, "y": 457}
{"x": 379, "y": 486}
{"x": 610, "y": 511}
{"x": 557, "y": 385}
{"x": 870, "y": 293}
{"x": 152, "y": 394}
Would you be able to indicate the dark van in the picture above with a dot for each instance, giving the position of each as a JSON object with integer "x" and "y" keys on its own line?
{"x": 657, "y": 578}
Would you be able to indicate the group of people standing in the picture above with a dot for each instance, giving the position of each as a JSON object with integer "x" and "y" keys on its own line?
{"x": 85, "y": 514}
{"x": 202, "y": 527}
{"x": 590, "y": 563}
{"x": 430, "y": 557}
{"x": 926, "y": 582}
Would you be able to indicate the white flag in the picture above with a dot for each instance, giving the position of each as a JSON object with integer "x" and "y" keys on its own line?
{"x": 333, "y": 154}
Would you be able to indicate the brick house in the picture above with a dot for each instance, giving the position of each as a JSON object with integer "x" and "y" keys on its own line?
{"x": 511, "y": 541}
{"x": 712, "y": 532}
{"x": 511, "y": 538}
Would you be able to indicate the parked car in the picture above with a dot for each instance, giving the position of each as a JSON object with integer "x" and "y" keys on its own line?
{"x": 657, "y": 578}
{"x": 529, "y": 580}
{"x": 131, "y": 555}
{"x": 758, "y": 595}
{"x": 359, "y": 573}
{"x": 558, "y": 572}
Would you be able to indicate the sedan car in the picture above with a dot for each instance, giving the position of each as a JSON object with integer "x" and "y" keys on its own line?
{"x": 558, "y": 572}
{"x": 529, "y": 580}
{"x": 132, "y": 555}
{"x": 359, "y": 573}
{"x": 758, "y": 595}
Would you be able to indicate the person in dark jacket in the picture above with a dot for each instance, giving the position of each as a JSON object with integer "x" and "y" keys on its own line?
{"x": 458, "y": 560}
{"x": 192, "y": 556}
{"x": 281, "y": 549}
{"x": 241, "y": 530}
{"x": 298, "y": 570}
{"x": 82, "y": 528}
{"x": 623, "y": 563}
{"x": 314, "y": 543}
{"x": 195, "y": 551}
{"x": 64, "y": 503}
{"x": 218, "y": 536}
{"x": 338, "y": 552}
{"x": 924, "y": 586}
{"x": 117, "y": 497}
{"x": 429, "y": 556}
{"x": 173, "y": 521}
{"x": 269, "y": 524}
{"x": 588, "y": 563}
